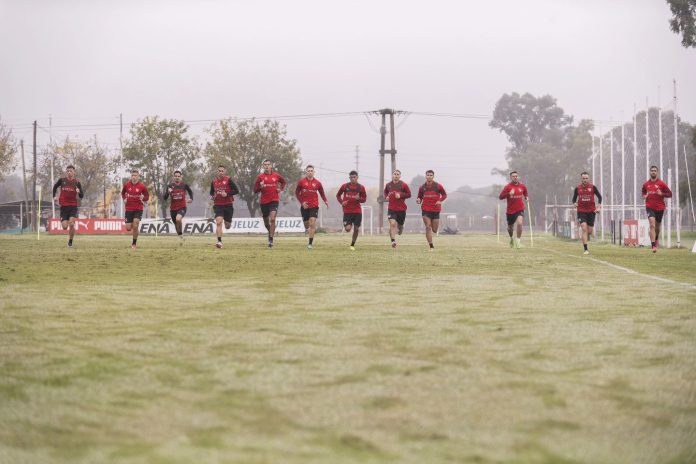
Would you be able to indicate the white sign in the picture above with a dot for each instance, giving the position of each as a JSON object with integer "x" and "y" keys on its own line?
{"x": 207, "y": 226}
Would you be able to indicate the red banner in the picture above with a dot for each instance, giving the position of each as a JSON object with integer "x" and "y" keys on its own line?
{"x": 90, "y": 226}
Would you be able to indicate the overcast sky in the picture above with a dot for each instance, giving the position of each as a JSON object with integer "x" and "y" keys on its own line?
{"x": 84, "y": 62}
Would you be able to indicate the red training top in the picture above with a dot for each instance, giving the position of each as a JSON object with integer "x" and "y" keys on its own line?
{"x": 654, "y": 200}
{"x": 584, "y": 196}
{"x": 515, "y": 195}
{"x": 218, "y": 186}
{"x": 350, "y": 196}
{"x": 178, "y": 195}
{"x": 269, "y": 185}
{"x": 430, "y": 195}
{"x": 131, "y": 195}
{"x": 308, "y": 191}
{"x": 390, "y": 191}
{"x": 68, "y": 191}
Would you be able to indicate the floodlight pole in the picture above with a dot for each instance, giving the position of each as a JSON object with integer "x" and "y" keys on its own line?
{"x": 382, "y": 151}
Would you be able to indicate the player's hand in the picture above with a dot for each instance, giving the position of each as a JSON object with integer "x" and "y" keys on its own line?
{"x": 142, "y": 197}
{"x": 418, "y": 201}
{"x": 77, "y": 190}
{"x": 304, "y": 204}
{"x": 170, "y": 190}
{"x": 659, "y": 192}
{"x": 55, "y": 199}
{"x": 344, "y": 203}
{"x": 438, "y": 203}
{"x": 189, "y": 201}
{"x": 278, "y": 189}
{"x": 327, "y": 205}
{"x": 262, "y": 184}
{"x": 223, "y": 194}
{"x": 397, "y": 196}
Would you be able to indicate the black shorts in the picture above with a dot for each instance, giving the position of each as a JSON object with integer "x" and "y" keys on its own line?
{"x": 586, "y": 217}
{"x": 398, "y": 216}
{"x": 309, "y": 213}
{"x": 511, "y": 218}
{"x": 130, "y": 215}
{"x": 224, "y": 211}
{"x": 431, "y": 214}
{"x": 656, "y": 214}
{"x": 352, "y": 218}
{"x": 176, "y": 212}
{"x": 66, "y": 212}
{"x": 268, "y": 207}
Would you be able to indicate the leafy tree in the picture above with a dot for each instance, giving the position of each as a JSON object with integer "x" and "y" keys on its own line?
{"x": 684, "y": 20}
{"x": 93, "y": 167}
{"x": 8, "y": 148}
{"x": 526, "y": 119}
{"x": 158, "y": 147}
{"x": 242, "y": 146}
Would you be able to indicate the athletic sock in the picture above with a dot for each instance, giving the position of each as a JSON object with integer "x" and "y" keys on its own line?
{"x": 585, "y": 246}
{"x": 135, "y": 241}
{"x": 352, "y": 243}
{"x": 432, "y": 246}
{"x": 70, "y": 241}
{"x": 311, "y": 239}
{"x": 652, "y": 243}
{"x": 220, "y": 239}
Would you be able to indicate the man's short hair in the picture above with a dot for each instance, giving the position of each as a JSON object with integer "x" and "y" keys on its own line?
{"x": 135, "y": 171}
{"x": 177, "y": 172}
{"x": 653, "y": 166}
{"x": 513, "y": 172}
{"x": 266, "y": 161}
{"x": 353, "y": 173}
{"x": 309, "y": 166}
{"x": 221, "y": 166}
{"x": 430, "y": 171}
{"x": 70, "y": 166}
{"x": 584, "y": 173}
{"x": 396, "y": 170}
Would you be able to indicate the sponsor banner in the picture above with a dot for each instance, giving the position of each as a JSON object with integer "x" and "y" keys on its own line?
{"x": 636, "y": 232}
{"x": 207, "y": 226}
{"x": 90, "y": 226}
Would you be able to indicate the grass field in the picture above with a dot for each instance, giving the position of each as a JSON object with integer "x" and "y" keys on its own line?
{"x": 472, "y": 353}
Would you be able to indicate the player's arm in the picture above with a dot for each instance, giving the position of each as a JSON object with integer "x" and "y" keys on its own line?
{"x": 644, "y": 191}
{"x": 123, "y": 192}
{"x": 443, "y": 194}
{"x": 666, "y": 192}
{"x": 212, "y": 189}
{"x": 80, "y": 192}
{"x": 575, "y": 196}
{"x": 407, "y": 191}
{"x": 504, "y": 193}
{"x": 146, "y": 194}
{"x": 189, "y": 191}
{"x": 166, "y": 192}
{"x": 282, "y": 182}
{"x": 339, "y": 195}
{"x": 257, "y": 185}
{"x": 233, "y": 188}
{"x": 419, "y": 197}
{"x": 297, "y": 193}
{"x": 363, "y": 195}
{"x": 58, "y": 183}
{"x": 526, "y": 194}
{"x": 323, "y": 195}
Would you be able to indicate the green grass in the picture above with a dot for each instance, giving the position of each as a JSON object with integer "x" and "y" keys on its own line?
{"x": 473, "y": 353}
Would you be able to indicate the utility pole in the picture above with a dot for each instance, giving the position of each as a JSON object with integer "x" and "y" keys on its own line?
{"x": 357, "y": 158}
{"x": 33, "y": 193}
{"x": 24, "y": 177}
{"x": 382, "y": 151}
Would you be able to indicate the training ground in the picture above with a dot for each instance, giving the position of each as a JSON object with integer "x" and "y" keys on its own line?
{"x": 472, "y": 353}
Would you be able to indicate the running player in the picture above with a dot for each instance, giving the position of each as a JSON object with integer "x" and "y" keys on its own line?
{"x": 307, "y": 192}
{"x": 269, "y": 184}
{"x": 222, "y": 191}
{"x": 178, "y": 190}
{"x": 350, "y": 196}
{"x": 430, "y": 197}
{"x": 134, "y": 193}
{"x": 515, "y": 193}
{"x": 396, "y": 192}
{"x": 654, "y": 193}
{"x": 70, "y": 189}
{"x": 583, "y": 199}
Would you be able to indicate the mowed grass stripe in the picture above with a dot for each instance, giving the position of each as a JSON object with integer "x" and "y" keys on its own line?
{"x": 474, "y": 352}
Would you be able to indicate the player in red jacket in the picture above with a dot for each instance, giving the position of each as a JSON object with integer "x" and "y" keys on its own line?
{"x": 396, "y": 192}
{"x": 515, "y": 193}
{"x": 430, "y": 197}
{"x": 70, "y": 189}
{"x": 134, "y": 193}
{"x": 584, "y": 200}
{"x": 178, "y": 189}
{"x": 351, "y": 195}
{"x": 654, "y": 193}
{"x": 307, "y": 192}
{"x": 269, "y": 184}
{"x": 222, "y": 192}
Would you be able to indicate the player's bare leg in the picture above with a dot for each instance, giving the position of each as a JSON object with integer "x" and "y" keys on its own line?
{"x": 654, "y": 231}
{"x": 218, "y": 230}
{"x": 518, "y": 225}
{"x": 585, "y": 233}
{"x": 135, "y": 229}
{"x": 311, "y": 229}
{"x": 658, "y": 226}
{"x": 271, "y": 227}
{"x": 428, "y": 230}
{"x": 393, "y": 226}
